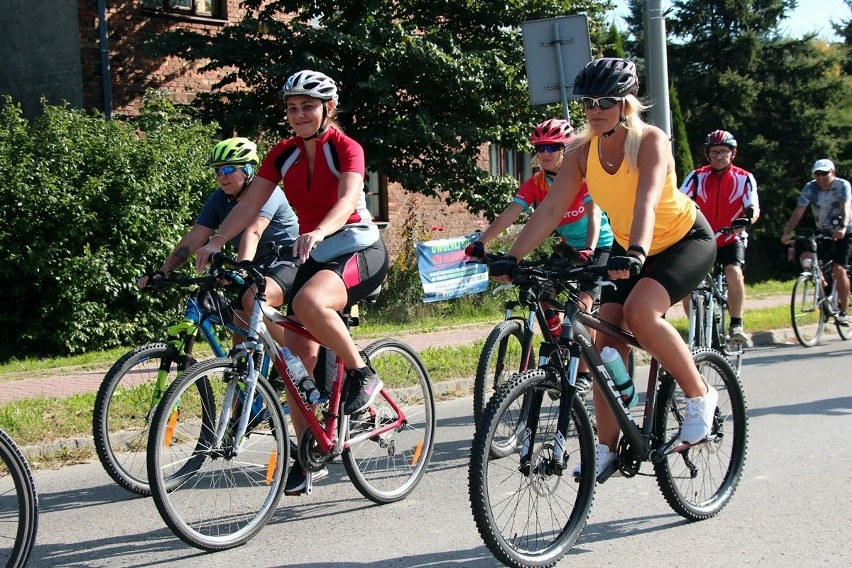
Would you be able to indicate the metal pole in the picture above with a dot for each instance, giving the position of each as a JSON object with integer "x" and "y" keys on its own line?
{"x": 106, "y": 75}
{"x": 658, "y": 67}
{"x": 557, "y": 43}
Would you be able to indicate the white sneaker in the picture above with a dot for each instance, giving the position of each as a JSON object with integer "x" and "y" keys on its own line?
{"x": 698, "y": 419}
{"x": 738, "y": 335}
{"x": 603, "y": 459}
{"x": 843, "y": 319}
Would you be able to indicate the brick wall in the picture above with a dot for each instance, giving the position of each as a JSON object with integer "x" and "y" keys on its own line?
{"x": 133, "y": 72}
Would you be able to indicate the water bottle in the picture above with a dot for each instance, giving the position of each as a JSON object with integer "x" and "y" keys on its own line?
{"x": 618, "y": 372}
{"x": 299, "y": 375}
{"x": 554, "y": 322}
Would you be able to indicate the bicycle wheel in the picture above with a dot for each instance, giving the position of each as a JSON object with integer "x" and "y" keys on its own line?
{"x": 531, "y": 516}
{"x": 502, "y": 355}
{"x": 123, "y": 408}
{"x": 844, "y": 331}
{"x": 698, "y": 482}
{"x": 806, "y": 310}
{"x": 18, "y": 505}
{"x": 387, "y": 466}
{"x": 232, "y": 487}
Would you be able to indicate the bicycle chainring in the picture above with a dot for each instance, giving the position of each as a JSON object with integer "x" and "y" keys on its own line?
{"x": 627, "y": 463}
{"x": 309, "y": 454}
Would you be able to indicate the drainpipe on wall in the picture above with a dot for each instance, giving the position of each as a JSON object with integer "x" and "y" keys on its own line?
{"x": 106, "y": 76}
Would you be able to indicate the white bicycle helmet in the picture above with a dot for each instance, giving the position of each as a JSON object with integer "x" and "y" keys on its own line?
{"x": 311, "y": 84}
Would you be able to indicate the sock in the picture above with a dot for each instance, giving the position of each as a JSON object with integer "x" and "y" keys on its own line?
{"x": 736, "y": 321}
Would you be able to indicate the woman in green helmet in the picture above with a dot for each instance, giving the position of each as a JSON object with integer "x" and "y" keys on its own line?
{"x": 234, "y": 161}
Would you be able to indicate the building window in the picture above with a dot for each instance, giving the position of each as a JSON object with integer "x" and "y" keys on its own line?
{"x": 376, "y": 195}
{"x": 502, "y": 162}
{"x": 203, "y": 8}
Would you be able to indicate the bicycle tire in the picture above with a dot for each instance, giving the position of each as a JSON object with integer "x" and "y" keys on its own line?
{"x": 226, "y": 498}
{"x": 531, "y": 520}
{"x": 844, "y": 331}
{"x": 387, "y": 467}
{"x": 122, "y": 413}
{"x": 698, "y": 482}
{"x": 19, "y": 517}
{"x": 502, "y": 355}
{"x": 806, "y": 310}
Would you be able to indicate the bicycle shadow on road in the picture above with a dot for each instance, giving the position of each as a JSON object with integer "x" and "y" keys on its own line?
{"x": 840, "y": 406}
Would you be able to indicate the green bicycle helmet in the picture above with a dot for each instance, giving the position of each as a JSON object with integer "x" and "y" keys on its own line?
{"x": 236, "y": 151}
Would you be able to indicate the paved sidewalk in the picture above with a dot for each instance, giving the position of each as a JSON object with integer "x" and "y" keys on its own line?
{"x": 71, "y": 381}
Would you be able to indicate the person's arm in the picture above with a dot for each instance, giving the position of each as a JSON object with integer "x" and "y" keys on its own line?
{"x": 654, "y": 160}
{"x": 752, "y": 200}
{"x": 349, "y": 189}
{"x": 548, "y": 214}
{"x": 502, "y": 222}
{"x": 188, "y": 244}
{"x": 238, "y": 219}
{"x": 792, "y": 223}
{"x": 593, "y": 229}
{"x": 251, "y": 238}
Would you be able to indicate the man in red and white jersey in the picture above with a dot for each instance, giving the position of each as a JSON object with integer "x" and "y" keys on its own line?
{"x": 725, "y": 192}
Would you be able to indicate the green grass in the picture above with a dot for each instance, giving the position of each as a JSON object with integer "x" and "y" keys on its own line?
{"x": 46, "y": 419}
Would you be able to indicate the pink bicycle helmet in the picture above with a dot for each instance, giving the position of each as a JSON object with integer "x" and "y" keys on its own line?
{"x": 552, "y": 131}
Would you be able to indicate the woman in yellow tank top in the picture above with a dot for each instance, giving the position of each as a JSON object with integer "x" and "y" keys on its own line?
{"x": 629, "y": 169}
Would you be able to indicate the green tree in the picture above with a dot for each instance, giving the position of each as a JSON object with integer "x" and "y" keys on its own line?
{"x": 682, "y": 153}
{"x": 782, "y": 98}
{"x": 424, "y": 83}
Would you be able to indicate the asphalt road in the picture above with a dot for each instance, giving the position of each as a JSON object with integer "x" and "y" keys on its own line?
{"x": 793, "y": 506}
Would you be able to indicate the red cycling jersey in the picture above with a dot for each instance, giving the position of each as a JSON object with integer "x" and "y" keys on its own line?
{"x": 721, "y": 198}
{"x": 336, "y": 154}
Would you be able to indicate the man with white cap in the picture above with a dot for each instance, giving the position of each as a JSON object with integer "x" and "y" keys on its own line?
{"x": 829, "y": 198}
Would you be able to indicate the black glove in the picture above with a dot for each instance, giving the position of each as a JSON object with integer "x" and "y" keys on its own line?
{"x": 630, "y": 263}
{"x": 504, "y": 267}
{"x": 475, "y": 249}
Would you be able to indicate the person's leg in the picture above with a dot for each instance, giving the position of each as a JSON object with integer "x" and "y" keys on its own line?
{"x": 736, "y": 290}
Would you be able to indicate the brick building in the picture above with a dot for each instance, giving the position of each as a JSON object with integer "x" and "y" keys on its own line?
{"x": 85, "y": 53}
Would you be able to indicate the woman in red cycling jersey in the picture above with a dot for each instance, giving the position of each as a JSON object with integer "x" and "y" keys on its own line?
{"x": 343, "y": 258}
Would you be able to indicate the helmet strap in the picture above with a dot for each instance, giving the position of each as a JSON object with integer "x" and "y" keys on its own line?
{"x": 611, "y": 131}
{"x": 246, "y": 184}
{"x": 323, "y": 125}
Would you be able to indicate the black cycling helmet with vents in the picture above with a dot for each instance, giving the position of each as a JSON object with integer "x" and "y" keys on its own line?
{"x": 607, "y": 77}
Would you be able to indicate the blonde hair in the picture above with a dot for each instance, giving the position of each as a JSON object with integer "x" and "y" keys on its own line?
{"x": 633, "y": 108}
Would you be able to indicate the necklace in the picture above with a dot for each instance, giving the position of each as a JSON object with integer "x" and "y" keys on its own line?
{"x": 600, "y": 155}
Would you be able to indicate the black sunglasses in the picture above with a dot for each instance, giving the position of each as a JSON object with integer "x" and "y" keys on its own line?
{"x": 549, "y": 148}
{"x": 604, "y": 102}
{"x": 820, "y": 174}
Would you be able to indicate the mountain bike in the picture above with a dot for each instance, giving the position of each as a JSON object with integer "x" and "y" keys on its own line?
{"x": 708, "y": 311}
{"x": 815, "y": 300}
{"x": 18, "y": 505}
{"x": 528, "y": 509}
{"x": 218, "y": 454}
{"x": 135, "y": 383}
{"x": 509, "y": 346}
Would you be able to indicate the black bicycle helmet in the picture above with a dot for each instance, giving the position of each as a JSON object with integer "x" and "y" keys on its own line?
{"x": 720, "y": 138}
{"x": 607, "y": 77}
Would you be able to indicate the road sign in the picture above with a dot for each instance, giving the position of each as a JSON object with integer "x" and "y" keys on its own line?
{"x": 555, "y": 50}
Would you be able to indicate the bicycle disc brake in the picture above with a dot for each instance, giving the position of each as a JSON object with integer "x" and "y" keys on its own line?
{"x": 309, "y": 455}
{"x": 627, "y": 463}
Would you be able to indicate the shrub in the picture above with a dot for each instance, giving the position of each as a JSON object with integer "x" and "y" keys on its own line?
{"x": 89, "y": 204}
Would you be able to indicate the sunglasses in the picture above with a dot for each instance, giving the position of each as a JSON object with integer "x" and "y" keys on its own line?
{"x": 604, "y": 102}
{"x": 549, "y": 148}
{"x": 820, "y": 174}
{"x": 715, "y": 153}
{"x": 226, "y": 170}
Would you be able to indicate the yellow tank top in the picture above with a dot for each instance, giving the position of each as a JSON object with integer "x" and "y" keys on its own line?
{"x": 616, "y": 195}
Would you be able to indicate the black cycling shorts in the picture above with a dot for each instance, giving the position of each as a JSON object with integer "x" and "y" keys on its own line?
{"x": 362, "y": 273}
{"x": 733, "y": 253}
{"x": 678, "y": 269}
